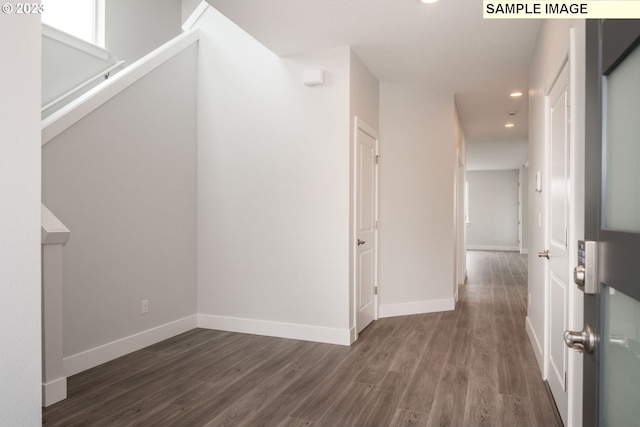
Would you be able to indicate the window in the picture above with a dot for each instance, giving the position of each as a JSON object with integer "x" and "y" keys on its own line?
{"x": 83, "y": 19}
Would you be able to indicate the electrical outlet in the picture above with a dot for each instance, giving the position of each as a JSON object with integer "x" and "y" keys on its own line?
{"x": 145, "y": 306}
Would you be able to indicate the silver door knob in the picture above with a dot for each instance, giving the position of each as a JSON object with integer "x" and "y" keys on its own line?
{"x": 544, "y": 254}
{"x": 361, "y": 242}
{"x": 582, "y": 341}
{"x": 579, "y": 275}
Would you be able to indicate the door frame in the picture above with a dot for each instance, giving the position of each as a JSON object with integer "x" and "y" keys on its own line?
{"x": 576, "y": 57}
{"x": 360, "y": 124}
{"x": 547, "y": 224}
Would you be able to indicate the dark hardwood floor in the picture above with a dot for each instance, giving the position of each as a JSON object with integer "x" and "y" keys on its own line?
{"x": 470, "y": 367}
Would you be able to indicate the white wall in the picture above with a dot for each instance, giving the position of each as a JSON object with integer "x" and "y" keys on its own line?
{"x": 364, "y": 97}
{"x": 493, "y": 210}
{"x": 552, "y": 48}
{"x": 20, "y": 357}
{"x": 417, "y": 188}
{"x": 461, "y": 178}
{"x": 524, "y": 209}
{"x": 123, "y": 180}
{"x": 273, "y": 188}
{"x": 188, "y": 6}
{"x": 496, "y": 155}
{"x": 134, "y": 28}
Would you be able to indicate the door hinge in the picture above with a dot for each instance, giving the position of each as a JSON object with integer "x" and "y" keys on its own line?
{"x": 565, "y": 381}
{"x": 377, "y": 158}
{"x": 377, "y": 224}
{"x": 375, "y": 290}
{"x": 566, "y": 238}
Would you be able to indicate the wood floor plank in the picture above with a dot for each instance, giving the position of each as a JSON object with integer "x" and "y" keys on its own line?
{"x": 404, "y": 418}
{"x": 296, "y": 422}
{"x": 482, "y": 388}
{"x": 349, "y": 405}
{"x": 381, "y": 409}
{"x": 514, "y": 411}
{"x": 451, "y": 396}
{"x": 421, "y": 391}
{"x": 480, "y": 416}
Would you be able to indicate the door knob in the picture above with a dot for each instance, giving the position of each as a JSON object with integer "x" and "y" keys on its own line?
{"x": 579, "y": 275}
{"x": 544, "y": 254}
{"x": 582, "y": 341}
{"x": 361, "y": 242}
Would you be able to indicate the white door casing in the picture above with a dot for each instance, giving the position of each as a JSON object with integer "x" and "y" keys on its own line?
{"x": 366, "y": 215}
{"x": 557, "y": 236}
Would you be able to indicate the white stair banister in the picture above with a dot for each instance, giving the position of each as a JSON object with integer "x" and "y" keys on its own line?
{"x": 54, "y": 236}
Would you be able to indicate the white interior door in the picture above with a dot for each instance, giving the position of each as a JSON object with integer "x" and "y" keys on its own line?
{"x": 366, "y": 202}
{"x": 557, "y": 237}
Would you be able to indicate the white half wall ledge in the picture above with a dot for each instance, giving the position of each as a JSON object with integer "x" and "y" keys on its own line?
{"x": 278, "y": 329}
{"x": 417, "y": 307}
{"x": 97, "y": 356}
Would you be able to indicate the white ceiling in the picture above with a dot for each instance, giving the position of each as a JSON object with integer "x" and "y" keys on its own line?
{"x": 445, "y": 46}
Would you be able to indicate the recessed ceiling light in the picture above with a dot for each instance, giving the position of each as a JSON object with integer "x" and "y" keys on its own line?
{"x": 516, "y": 94}
{"x": 428, "y": 1}
{"x": 509, "y": 125}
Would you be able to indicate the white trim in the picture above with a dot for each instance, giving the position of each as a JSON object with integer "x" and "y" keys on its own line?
{"x": 277, "y": 329}
{"x": 195, "y": 16}
{"x": 524, "y": 251}
{"x": 535, "y": 343}
{"x": 54, "y": 391}
{"x": 52, "y": 230}
{"x": 493, "y": 248}
{"x": 106, "y": 352}
{"x": 74, "y": 42}
{"x": 417, "y": 307}
{"x": 62, "y": 119}
{"x": 353, "y": 335}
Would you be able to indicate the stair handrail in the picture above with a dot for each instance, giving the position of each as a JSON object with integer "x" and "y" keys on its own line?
{"x": 71, "y": 113}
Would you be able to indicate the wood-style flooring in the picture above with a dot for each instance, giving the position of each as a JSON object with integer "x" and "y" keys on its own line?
{"x": 470, "y": 367}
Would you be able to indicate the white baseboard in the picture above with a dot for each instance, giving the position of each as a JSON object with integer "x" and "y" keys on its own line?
{"x": 493, "y": 248}
{"x": 104, "y": 353}
{"x": 416, "y": 307}
{"x": 277, "y": 329}
{"x": 535, "y": 343}
{"x": 54, "y": 391}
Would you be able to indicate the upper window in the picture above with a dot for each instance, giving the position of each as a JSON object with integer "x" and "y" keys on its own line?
{"x": 80, "y": 18}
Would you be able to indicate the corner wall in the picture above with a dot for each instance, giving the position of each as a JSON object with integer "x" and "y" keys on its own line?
{"x": 20, "y": 292}
{"x": 417, "y": 207}
{"x": 273, "y": 188}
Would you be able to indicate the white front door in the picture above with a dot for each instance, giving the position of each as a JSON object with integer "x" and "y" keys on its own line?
{"x": 557, "y": 237}
{"x": 366, "y": 202}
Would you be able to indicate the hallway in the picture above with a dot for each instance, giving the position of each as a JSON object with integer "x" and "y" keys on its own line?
{"x": 424, "y": 370}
